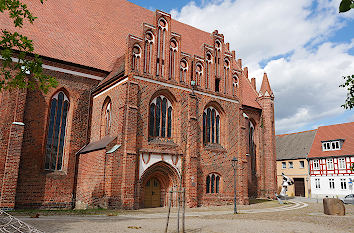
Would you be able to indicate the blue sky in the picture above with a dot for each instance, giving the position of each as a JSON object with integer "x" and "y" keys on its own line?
{"x": 305, "y": 46}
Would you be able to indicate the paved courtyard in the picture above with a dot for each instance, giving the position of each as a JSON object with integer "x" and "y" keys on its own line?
{"x": 262, "y": 217}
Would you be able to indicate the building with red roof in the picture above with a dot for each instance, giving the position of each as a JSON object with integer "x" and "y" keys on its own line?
{"x": 331, "y": 161}
{"x": 145, "y": 104}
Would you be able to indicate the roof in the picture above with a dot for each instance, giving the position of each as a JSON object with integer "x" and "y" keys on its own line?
{"x": 91, "y": 33}
{"x": 295, "y": 145}
{"x": 332, "y": 132}
{"x": 249, "y": 94}
{"x": 98, "y": 145}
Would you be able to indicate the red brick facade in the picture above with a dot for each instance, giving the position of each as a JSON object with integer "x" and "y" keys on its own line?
{"x": 116, "y": 174}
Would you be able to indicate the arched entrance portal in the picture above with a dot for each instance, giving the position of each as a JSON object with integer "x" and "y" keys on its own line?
{"x": 155, "y": 183}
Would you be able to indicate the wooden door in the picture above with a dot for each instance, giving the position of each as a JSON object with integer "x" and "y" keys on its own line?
{"x": 299, "y": 187}
{"x": 152, "y": 193}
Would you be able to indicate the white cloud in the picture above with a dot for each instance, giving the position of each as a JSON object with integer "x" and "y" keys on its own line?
{"x": 260, "y": 30}
{"x": 307, "y": 86}
{"x": 306, "y": 80}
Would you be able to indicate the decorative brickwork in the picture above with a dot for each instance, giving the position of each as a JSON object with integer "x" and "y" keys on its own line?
{"x": 204, "y": 94}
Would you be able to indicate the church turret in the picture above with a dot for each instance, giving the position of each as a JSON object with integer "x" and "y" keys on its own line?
{"x": 266, "y": 100}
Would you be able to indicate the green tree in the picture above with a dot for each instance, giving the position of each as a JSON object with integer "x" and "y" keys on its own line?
{"x": 20, "y": 67}
{"x": 349, "y": 84}
{"x": 346, "y": 5}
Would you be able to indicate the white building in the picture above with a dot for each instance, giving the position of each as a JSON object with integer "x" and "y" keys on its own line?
{"x": 331, "y": 161}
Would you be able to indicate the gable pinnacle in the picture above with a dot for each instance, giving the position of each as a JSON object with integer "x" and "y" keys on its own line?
{"x": 265, "y": 87}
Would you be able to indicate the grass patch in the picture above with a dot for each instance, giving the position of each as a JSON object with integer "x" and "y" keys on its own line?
{"x": 52, "y": 212}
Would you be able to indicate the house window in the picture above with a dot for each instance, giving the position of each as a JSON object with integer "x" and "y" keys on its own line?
{"x": 341, "y": 163}
{"x": 331, "y": 183}
{"x": 136, "y": 54}
{"x": 213, "y": 183}
{"x": 211, "y": 126}
{"x": 330, "y": 164}
{"x": 160, "y": 119}
{"x": 332, "y": 145}
{"x": 317, "y": 183}
{"x": 283, "y": 165}
{"x": 173, "y": 56}
{"x": 343, "y": 184}
{"x": 59, "y": 108}
{"x": 316, "y": 164}
{"x": 149, "y": 40}
{"x": 302, "y": 164}
{"x": 291, "y": 165}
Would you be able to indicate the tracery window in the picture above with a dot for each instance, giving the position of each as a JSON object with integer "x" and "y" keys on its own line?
{"x": 149, "y": 40}
{"x": 136, "y": 54}
{"x": 234, "y": 84}
{"x": 59, "y": 107}
{"x": 183, "y": 70}
{"x": 208, "y": 69}
{"x": 198, "y": 73}
{"x": 226, "y": 73}
{"x": 161, "y": 38}
{"x": 211, "y": 126}
{"x": 213, "y": 183}
{"x": 173, "y": 56}
{"x": 160, "y": 118}
{"x": 251, "y": 146}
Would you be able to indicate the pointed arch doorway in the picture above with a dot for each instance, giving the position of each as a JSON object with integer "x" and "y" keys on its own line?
{"x": 152, "y": 194}
{"x": 156, "y": 181}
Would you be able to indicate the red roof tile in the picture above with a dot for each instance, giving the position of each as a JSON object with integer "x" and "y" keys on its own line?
{"x": 92, "y": 33}
{"x": 332, "y": 132}
{"x": 249, "y": 94}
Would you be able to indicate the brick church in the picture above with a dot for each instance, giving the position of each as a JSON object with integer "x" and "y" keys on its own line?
{"x": 144, "y": 104}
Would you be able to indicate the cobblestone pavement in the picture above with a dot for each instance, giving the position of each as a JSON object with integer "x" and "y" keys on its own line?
{"x": 265, "y": 217}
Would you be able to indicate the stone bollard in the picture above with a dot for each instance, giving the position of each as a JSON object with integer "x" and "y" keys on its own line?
{"x": 333, "y": 206}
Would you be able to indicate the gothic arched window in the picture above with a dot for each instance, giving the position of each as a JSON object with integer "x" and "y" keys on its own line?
{"x": 198, "y": 73}
{"x": 211, "y": 126}
{"x": 59, "y": 107}
{"x": 251, "y": 145}
{"x": 160, "y": 118}
{"x": 161, "y": 38}
{"x": 226, "y": 73}
{"x": 173, "y": 56}
{"x": 213, "y": 183}
{"x": 183, "y": 70}
{"x": 208, "y": 69}
{"x": 149, "y": 40}
{"x": 217, "y": 58}
{"x": 234, "y": 84}
{"x": 106, "y": 117}
{"x": 136, "y": 54}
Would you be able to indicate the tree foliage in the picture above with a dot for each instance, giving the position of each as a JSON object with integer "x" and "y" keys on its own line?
{"x": 20, "y": 67}
{"x": 349, "y": 84}
{"x": 346, "y": 5}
